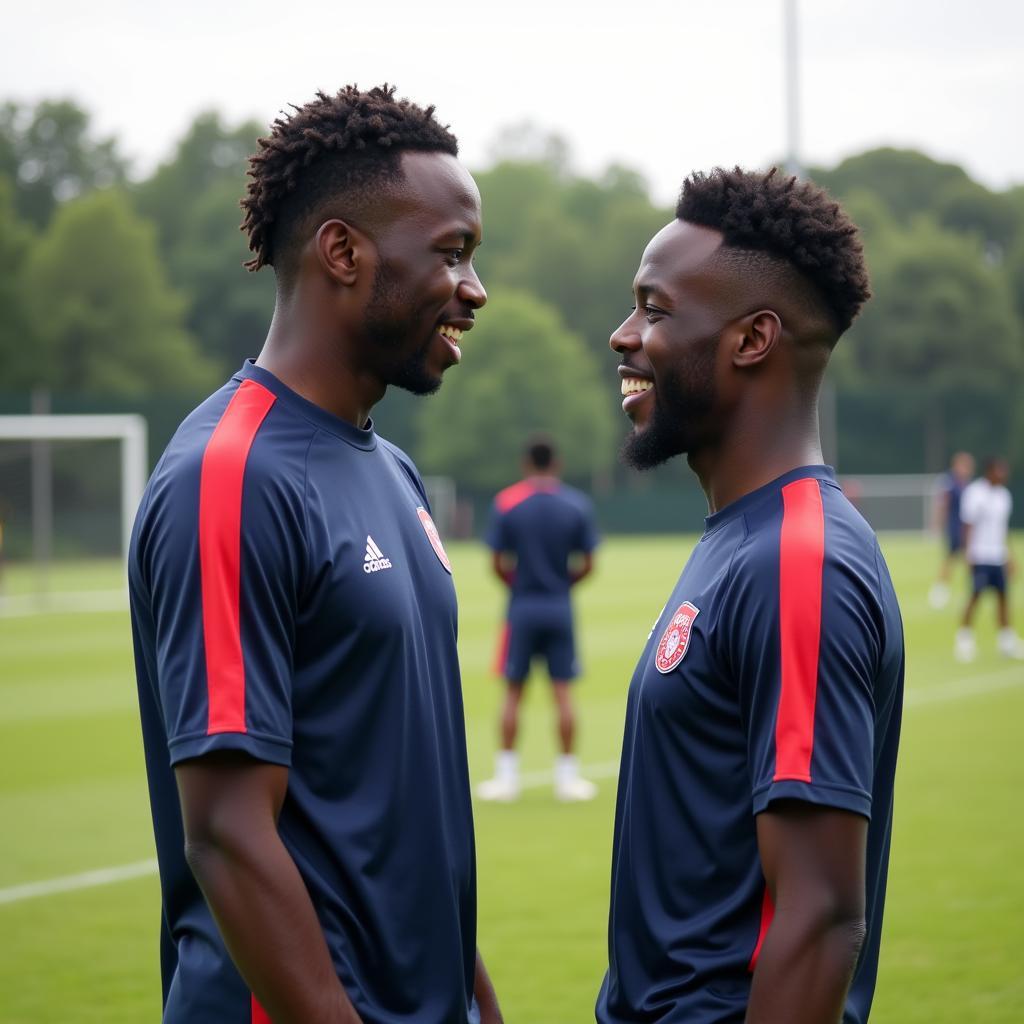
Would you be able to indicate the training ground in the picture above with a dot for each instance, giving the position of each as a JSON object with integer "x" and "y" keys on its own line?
{"x": 79, "y": 902}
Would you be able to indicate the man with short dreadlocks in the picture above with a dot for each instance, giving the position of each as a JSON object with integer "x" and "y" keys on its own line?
{"x": 294, "y": 615}
{"x": 755, "y": 793}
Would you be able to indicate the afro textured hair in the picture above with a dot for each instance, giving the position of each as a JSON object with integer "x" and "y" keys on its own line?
{"x": 332, "y": 148}
{"x": 795, "y": 221}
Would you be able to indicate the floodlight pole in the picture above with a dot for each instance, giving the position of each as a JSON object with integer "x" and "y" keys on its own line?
{"x": 791, "y": 64}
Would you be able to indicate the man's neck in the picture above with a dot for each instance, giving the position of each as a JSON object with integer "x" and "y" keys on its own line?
{"x": 752, "y": 455}
{"x": 307, "y": 355}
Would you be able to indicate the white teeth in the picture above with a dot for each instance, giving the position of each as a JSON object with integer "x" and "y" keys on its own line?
{"x": 454, "y": 333}
{"x": 635, "y": 386}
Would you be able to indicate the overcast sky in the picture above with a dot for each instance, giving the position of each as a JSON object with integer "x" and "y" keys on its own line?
{"x": 664, "y": 86}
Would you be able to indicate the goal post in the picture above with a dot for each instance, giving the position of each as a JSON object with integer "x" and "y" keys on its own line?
{"x": 902, "y": 502}
{"x": 41, "y": 430}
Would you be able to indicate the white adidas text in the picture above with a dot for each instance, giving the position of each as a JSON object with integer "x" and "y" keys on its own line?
{"x": 374, "y": 559}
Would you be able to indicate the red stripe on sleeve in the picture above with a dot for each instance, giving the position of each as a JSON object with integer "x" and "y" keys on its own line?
{"x": 801, "y": 555}
{"x": 767, "y": 913}
{"x": 259, "y": 1015}
{"x": 220, "y": 542}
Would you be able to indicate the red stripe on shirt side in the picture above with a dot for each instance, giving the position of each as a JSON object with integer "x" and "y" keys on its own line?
{"x": 501, "y": 656}
{"x": 258, "y": 1014}
{"x": 220, "y": 543}
{"x": 767, "y": 913}
{"x": 801, "y": 557}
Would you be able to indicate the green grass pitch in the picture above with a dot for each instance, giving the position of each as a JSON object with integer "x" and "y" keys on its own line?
{"x": 73, "y": 799}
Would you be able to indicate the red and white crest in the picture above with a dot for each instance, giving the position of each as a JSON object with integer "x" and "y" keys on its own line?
{"x": 434, "y": 537}
{"x": 676, "y": 638}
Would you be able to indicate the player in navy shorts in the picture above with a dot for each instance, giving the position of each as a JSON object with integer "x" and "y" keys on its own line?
{"x": 542, "y": 537}
{"x": 947, "y": 522}
{"x": 294, "y": 615}
{"x": 755, "y": 793}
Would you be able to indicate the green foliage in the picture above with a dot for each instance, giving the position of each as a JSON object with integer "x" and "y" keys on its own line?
{"x": 573, "y": 242}
{"x": 908, "y": 182}
{"x": 48, "y": 153}
{"x": 17, "y": 352}
{"x": 523, "y": 370}
{"x": 941, "y": 320}
{"x": 104, "y": 317}
{"x": 193, "y": 200}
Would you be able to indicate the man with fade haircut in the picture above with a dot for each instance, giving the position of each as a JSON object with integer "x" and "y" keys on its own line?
{"x": 294, "y": 615}
{"x": 542, "y": 538}
{"x": 755, "y": 792}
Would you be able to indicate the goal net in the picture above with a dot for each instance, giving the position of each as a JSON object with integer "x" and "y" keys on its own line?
{"x": 899, "y": 502}
{"x": 69, "y": 488}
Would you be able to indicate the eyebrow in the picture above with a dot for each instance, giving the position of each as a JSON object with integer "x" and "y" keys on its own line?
{"x": 650, "y": 289}
{"x": 468, "y": 235}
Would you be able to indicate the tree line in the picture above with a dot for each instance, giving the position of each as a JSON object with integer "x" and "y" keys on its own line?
{"x": 117, "y": 290}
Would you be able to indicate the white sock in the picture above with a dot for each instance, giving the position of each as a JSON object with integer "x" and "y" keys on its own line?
{"x": 964, "y": 635}
{"x": 506, "y": 765}
{"x": 1007, "y": 636}
{"x": 566, "y": 767}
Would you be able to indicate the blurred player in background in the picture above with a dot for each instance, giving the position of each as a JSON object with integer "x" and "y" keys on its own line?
{"x": 947, "y": 522}
{"x": 755, "y": 793}
{"x": 985, "y": 509}
{"x": 542, "y": 538}
{"x": 294, "y": 614}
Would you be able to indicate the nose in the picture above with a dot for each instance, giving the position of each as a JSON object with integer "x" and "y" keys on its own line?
{"x": 471, "y": 290}
{"x": 625, "y": 338}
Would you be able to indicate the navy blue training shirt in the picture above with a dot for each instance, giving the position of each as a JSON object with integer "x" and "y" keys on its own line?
{"x": 291, "y": 599}
{"x": 775, "y": 671}
{"x": 542, "y": 521}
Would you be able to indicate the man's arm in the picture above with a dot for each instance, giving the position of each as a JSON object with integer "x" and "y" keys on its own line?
{"x": 486, "y": 1000}
{"x": 813, "y": 859}
{"x": 230, "y": 804}
{"x": 503, "y": 567}
{"x": 582, "y": 566}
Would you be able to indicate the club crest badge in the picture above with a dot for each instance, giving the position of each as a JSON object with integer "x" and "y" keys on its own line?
{"x": 434, "y": 537}
{"x": 676, "y": 638}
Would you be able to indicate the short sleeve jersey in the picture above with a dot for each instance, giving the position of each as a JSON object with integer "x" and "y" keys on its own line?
{"x": 986, "y": 508}
{"x": 775, "y": 671}
{"x": 541, "y": 521}
{"x": 291, "y": 599}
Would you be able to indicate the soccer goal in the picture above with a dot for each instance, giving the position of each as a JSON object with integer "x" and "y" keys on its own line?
{"x": 69, "y": 489}
{"x": 902, "y": 502}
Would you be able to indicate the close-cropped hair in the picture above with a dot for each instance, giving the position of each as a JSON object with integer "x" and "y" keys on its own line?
{"x": 540, "y": 452}
{"x": 786, "y": 219}
{"x": 330, "y": 157}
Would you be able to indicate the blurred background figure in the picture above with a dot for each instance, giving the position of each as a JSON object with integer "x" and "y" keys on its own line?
{"x": 542, "y": 537}
{"x": 985, "y": 509}
{"x": 947, "y": 522}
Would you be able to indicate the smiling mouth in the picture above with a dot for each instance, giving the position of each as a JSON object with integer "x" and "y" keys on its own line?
{"x": 635, "y": 386}
{"x": 453, "y": 334}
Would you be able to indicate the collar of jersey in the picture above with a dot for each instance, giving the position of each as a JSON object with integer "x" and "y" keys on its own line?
{"x": 364, "y": 438}
{"x": 748, "y": 501}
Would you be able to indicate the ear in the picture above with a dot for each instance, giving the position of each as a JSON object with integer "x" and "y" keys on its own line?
{"x": 343, "y": 251}
{"x": 760, "y": 333}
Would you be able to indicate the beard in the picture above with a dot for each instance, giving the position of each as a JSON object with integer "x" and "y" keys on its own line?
{"x": 388, "y": 327}
{"x": 683, "y": 399}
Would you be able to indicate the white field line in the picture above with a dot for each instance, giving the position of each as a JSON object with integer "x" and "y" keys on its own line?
{"x": 991, "y": 682}
{"x": 21, "y": 606}
{"x": 71, "y": 883}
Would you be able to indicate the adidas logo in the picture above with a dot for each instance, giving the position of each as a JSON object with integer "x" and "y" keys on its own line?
{"x": 374, "y": 560}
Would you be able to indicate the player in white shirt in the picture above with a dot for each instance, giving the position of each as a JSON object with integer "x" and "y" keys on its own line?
{"x": 985, "y": 510}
